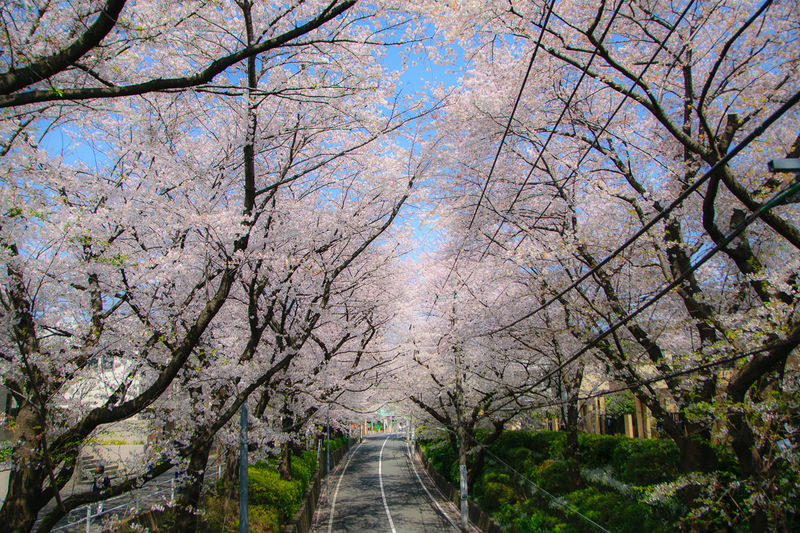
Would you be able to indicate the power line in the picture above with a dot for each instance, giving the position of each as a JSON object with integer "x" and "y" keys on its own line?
{"x": 513, "y": 111}
{"x": 556, "y": 500}
{"x": 552, "y": 131}
{"x": 677, "y": 373}
{"x": 510, "y": 120}
{"x": 546, "y": 18}
{"x": 778, "y": 198}
{"x": 757, "y": 132}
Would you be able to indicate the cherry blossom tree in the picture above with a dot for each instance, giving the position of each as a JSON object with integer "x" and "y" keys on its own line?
{"x": 254, "y": 196}
{"x": 628, "y": 107}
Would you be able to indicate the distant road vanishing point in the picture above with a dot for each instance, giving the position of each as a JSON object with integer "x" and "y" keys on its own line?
{"x": 380, "y": 489}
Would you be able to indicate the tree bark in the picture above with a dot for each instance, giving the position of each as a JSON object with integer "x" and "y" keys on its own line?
{"x": 188, "y": 501}
{"x": 22, "y": 502}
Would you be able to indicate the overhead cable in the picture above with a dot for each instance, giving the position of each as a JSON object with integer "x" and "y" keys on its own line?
{"x": 510, "y": 120}
{"x": 735, "y": 232}
{"x": 733, "y": 152}
{"x": 513, "y": 112}
{"x": 677, "y": 373}
{"x": 564, "y": 110}
{"x": 546, "y": 18}
{"x": 559, "y": 502}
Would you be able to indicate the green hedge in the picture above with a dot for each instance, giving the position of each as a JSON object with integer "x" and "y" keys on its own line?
{"x": 303, "y": 468}
{"x": 597, "y": 450}
{"x": 552, "y": 476}
{"x": 614, "y": 512}
{"x": 338, "y": 442}
{"x": 645, "y": 462}
{"x": 442, "y": 458}
{"x": 542, "y": 444}
{"x": 495, "y": 490}
{"x": 272, "y": 501}
{"x": 528, "y": 518}
{"x": 539, "y": 457}
{"x": 267, "y": 488}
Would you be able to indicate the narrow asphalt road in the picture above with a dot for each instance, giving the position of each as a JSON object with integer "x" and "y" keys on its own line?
{"x": 380, "y": 489}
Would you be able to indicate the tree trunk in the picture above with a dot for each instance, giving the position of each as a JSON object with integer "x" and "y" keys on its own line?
{"x": 571, "y": 451}
{"x": 750, "y": 461}
{"x": 188, "y": 501}
{"x": 24, "y": 499}
{"x": 285, "y": 466}
{"x": 696, "y": 453}
{"x": 230, "y": 471}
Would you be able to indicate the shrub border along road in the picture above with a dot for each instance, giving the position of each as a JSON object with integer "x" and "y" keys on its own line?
{"x": 476, "y": 515}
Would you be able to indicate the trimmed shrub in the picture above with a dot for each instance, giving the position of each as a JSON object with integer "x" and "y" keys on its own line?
{"x": 261, "y": 518}
{"x": 552, "y": 477}
{"x": 516, "y": 439}
{"x": 442, "y": 458}
{"x": 542, "y": 445}
{"x": 597, "y": 450}
{"x": 496, "y": 493}
{"x": 516, "y": 456}
{"x": 338, "y": 442}
{"x": 303, "y": 468}
{"x": 646, "y": 462}
{"x": 267, "y": 488}
{"x": 528, "y": 518}
{"x": 615, "y": 512}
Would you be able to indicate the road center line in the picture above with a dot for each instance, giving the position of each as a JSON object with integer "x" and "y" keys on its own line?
{"x": 383, "y": 493}
{"x": 338, "y": 484}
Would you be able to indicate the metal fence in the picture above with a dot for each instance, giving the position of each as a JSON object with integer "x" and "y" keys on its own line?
{"x": 160, "y": 491}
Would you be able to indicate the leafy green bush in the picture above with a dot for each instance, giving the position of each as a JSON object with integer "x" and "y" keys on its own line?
{"x": 552, "y": 477}
{"x": 556, "y": 442}
{"x": 646, "y": 462}
{"x": 615, "y": 512}
{"x": 261, "y": 518}
{"x": 597, "y": 450}
{"x": 542, "y": 444}
{"x": 267, "y": 488}
{"x": 726, "y": 460}
{"x": 528, "y": 518}
{"x": 338, "y": 442}
{"x": 5, "y": 453}
{"x": 494, "y": 489}
{"x": 303, "y": 468}
{"x": 518, "y": 455}
{"x": 497, "y": 494}
{"x": 442, "y": 458}
{"x": 620, "y": 403}
{"x": 516, "y": 439}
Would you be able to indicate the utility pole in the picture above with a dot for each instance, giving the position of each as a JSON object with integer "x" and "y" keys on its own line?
{"x": 243, "y": 525}
{"x": 462, "y": 443}
{"x": 328, "y": 452}
{"x": 461, "y": 427}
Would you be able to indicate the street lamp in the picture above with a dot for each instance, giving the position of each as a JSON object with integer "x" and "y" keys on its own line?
{"x": 790, "y": 165}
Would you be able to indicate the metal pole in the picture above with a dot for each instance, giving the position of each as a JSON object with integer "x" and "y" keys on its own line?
{"x": 328, "y": 447}
{"x": 462, "y": 430}
{"x": 462, "y": 470}
{"x": 243, "y": 522}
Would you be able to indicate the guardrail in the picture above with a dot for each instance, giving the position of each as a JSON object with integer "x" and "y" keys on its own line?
{"x": 128, "y": 503}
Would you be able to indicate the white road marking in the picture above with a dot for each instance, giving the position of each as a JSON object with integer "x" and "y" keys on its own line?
{"x": 383, "y": 493}
{"x": 338, "y": 483}
{"x": 414, "y": 468}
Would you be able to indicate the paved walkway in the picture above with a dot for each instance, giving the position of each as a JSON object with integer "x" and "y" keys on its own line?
{"x": 381, "y": 488}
